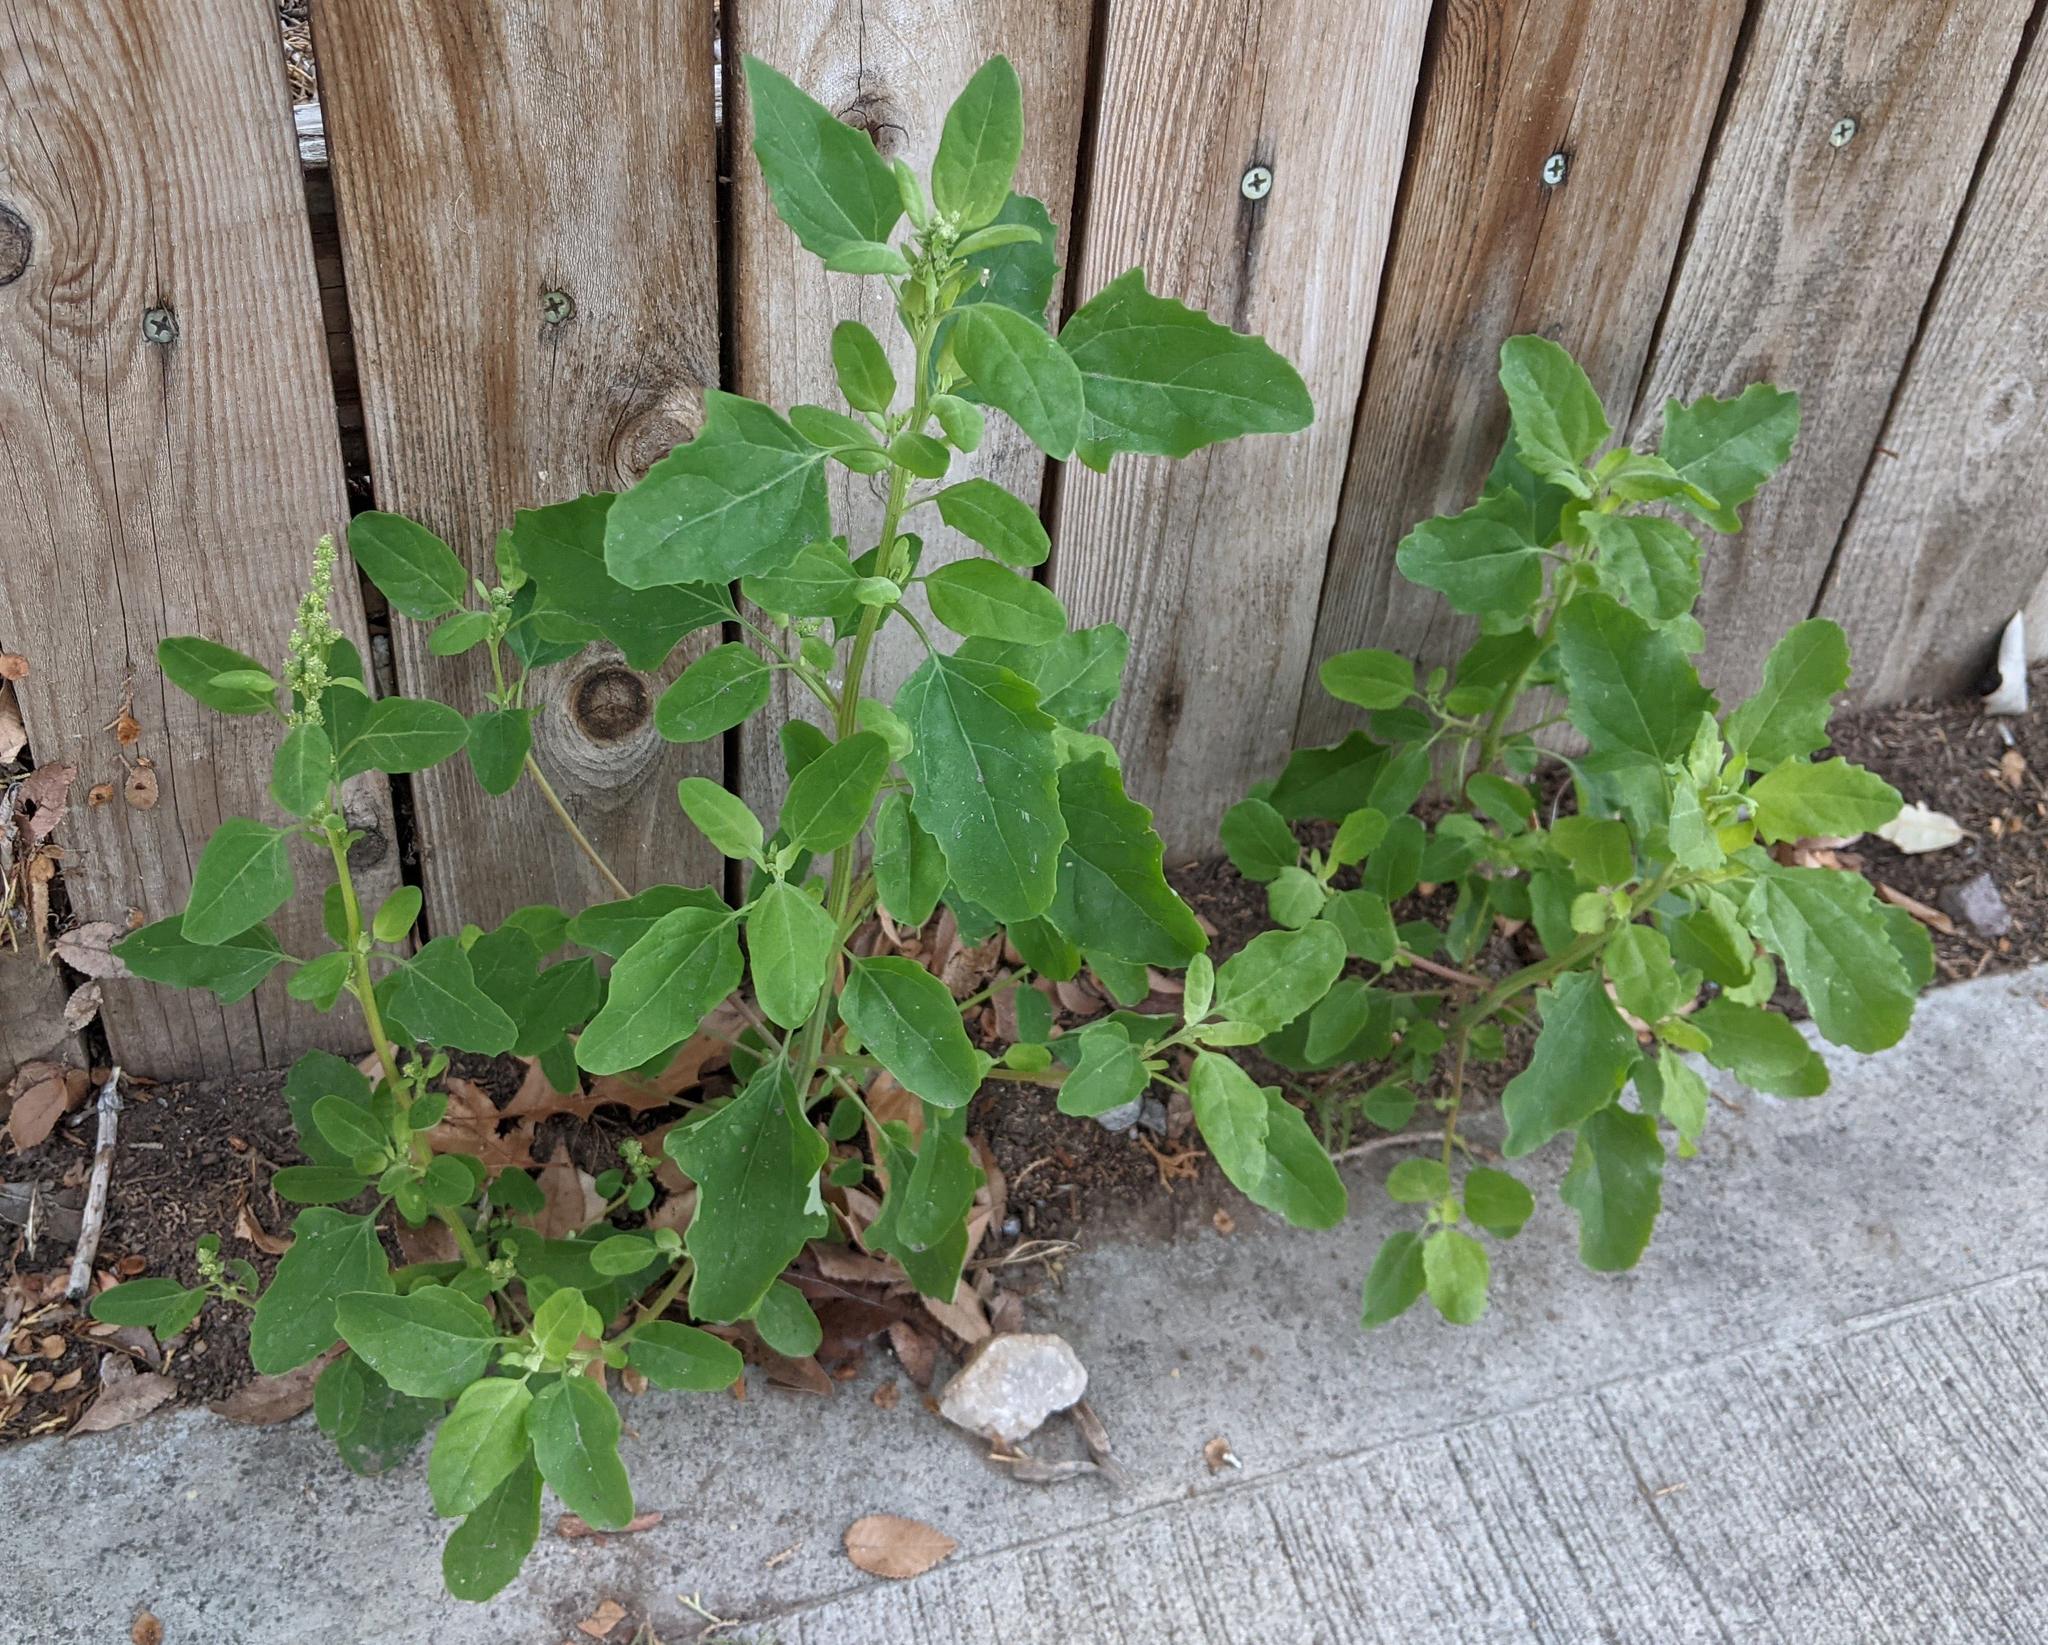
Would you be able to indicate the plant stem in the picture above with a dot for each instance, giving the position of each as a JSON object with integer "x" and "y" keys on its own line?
{"x": 547, "y": 792}
{"x": 360, "y": 982}
{"x": 667, "y": 1295}
{"x": 465, "y": 1241}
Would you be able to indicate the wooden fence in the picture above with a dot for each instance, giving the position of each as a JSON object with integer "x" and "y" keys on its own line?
{"x": 198, "y": 376}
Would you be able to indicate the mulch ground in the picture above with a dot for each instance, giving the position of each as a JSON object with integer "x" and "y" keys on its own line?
{"x": 197, "y": 1157}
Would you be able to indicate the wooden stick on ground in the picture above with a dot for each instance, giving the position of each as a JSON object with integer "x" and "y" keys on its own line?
{"x": 96, "y": 1195}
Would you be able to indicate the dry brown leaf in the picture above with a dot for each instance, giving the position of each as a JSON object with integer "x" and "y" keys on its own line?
{"x": 126, "y": 728}
{"x": 573, "y": 1201}
{"x": 262, "y": 1401}
{"x": 890, "y": 1546}
{"x": 124, "y": 1401}
{"x": 799, "y": 1376}
{"x": 573, "y": 1528}
{"x": 966, "y": 969}
{"x": 98, "y": 795}
{"x": 13, "y": 734}
{"x": 849, "y": 1267}
{"x": 603, "y": 1620}
{"x": 1927, "y": 916}
{"x": 248, "y": 1228}
{"x": 141, "y": 787}
{"x": 1224, "y": 1222}
{"x": 37, "y": 1109}
{"x": 13, "y": 666}
{"x": 69, "y": 1380}
{"x": 48, "y": 788}
{"x": 2012, "y": 768}
{"x": 963, "y": 1316}
{"x": 887, "y": 1396}
{"x": 915, "y": 1352}
{"x": 145, "y": 1629}
{"x": 634, "y": 1382}
{"x": 89, "y": 949}
{"x": 700, "y": 1053}
{"x": 83, "y": 1005}
{"x": 470, "y": 1126}
{"x": 1218, "y": 1454}
{"x": 430, "y": 1242}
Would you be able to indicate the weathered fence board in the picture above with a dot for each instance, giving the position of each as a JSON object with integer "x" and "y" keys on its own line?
{"x": 1850, "y": 139}
{"x": 1945, "y": 540}
{"x": 1213, "y": 564}
{"x": 893, "y": 71}
{"x": 1487, "y": 248}
{"x": 485, "y": 157}
{"x": 156, "y": 488}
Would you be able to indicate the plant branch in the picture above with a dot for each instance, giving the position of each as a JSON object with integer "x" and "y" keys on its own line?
{"x": 547, "y": 792}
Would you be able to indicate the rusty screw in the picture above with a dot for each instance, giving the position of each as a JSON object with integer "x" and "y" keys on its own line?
{"x": 556, "y": 307}
{"x": 1256, "y": 183}
{"x": 160, "y": 326}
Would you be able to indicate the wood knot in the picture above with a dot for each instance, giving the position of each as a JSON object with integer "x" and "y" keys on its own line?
{"x": 646, "y": 437}
{"x": 17, "y": 244}
{"x": 873, "y": 113}
{"x": 609, "y": 703}
{"x": 370, "y": 847}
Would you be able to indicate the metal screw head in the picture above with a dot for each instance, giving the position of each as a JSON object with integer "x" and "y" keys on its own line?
{"x": 556, "y": 306}
{"x": 1256, "y": 183}
{"x": 1555, "y": 167}
{"x": 1845, "y": 128}
{"x": 160, "y": 325}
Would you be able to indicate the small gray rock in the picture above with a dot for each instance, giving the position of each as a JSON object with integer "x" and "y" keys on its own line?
{"x": 1153, "y": 1116}
{"x": 1014, "y": 1383}
{"x": 1122, "y": 1119}
{"x": 1979, "y": 906}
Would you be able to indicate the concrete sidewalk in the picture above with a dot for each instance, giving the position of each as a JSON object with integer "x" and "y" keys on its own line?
{"x": 1815, "y": 1413}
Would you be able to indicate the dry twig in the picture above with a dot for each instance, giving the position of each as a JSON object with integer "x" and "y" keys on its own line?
{"x": 96, "y": 1196}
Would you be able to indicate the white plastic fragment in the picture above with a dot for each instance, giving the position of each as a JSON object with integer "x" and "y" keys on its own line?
{"x": 1916, "y": 829}
{"x": 2011, "y": 695}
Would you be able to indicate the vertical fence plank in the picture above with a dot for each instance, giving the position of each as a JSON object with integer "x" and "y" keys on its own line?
{"x": 147, "y": 162}
{"x": 1625, "y": 92}
{"x": 1213, "y": 563}
{"x": 895, "y": 76}
{"x": 1852, "y": 132}
{"x": 1945, "y": 542}
{"x": 483, "y": 157}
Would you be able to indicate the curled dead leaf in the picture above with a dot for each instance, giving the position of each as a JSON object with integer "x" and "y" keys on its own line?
{"x": 83, "y": 1005}
{"x": 48, "y": 788}
{"x": 13, "y": 666}
{"x": 52, "y": 1092}
{"x": 262, "y": 1401}
{"x": 125, "y": 1401}
{"x": 13, "y": 733}
{"x": 126, "y": 728}
{"x": 888, "y": 1545}
{"x": 248, "y": 1228}
{"x": 98, "y": 795}
{"x": 1218, "y": 1454}
{"x": 89, "y": 949}
{"x": 573, "y": 1201}
{"x": 573, "y": 1527}
{"x": 603, "y": 1620}
{"x": 915, "y": 1352}
{"x": 145, "y": 1629}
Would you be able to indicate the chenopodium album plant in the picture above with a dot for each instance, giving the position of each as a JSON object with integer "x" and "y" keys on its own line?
{"x": 1661, "y": 916}
{"x": 979, "y": 785}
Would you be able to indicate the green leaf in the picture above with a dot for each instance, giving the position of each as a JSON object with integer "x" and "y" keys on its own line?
{"x": 1076, "y": 676}
{"x": 575, "y": 1429}
{"x": 755, "y": 1163}
{"x": 825, "y": 178}
{"x": 1368, "y": 679}
{"x": 985, "y": 777}
{"x": 372, "y": 1424}
{"x": 1231, "y": 1111}
{"x": 1799, "y": 800}
{"x": 479, "y": 1446}
{"x": 819, "y": 582}
{"x": 908, "y": 1019}
{"x": 1017, "y": 367}
{"x": 1278, "y": 975}
{"x": 1477, "y": 562}
{"x": 464, "y": 631}
{"x": 1558, "y": 420}
{"x": 613, "y": 927}
{"x": 193, "y": 665}
{"x": 1672, "y": 1090}
{"x": 1597, "y": 849}
{"x": 402, "y": 734}
{"x": 1295, "y": 897}
{"x": 1258, "y": 841}
{"x": 1164, "y": 379}
{"x": 619, "y": 1256}
{"x": 862, "y": 367}
{"x": 1455, "y": 1268}
{"x": 1366, "y": 925}
{"x": 1632, "y": 687}
{"x": 349, "y": 1128}
{"x": 1497, "y": 1202}
{"x": 1298, "y": 1183}
{"x": 1582, "y": 1055}
{"x": 1728, "y": 448}
{"x": 1331, "y": 782}
{"x": 786, "y": 1322}
{"x": 302, "y": 769}
{"x": 1111, "y": 1072}
{"x": 244, "y": 876}
{"x": 1418, "y": 1181}
{"x": 1761, "y": 1049}
{"x": 923, "y": 456}
{"x": 1616, "y": 1186}
{"x": 1020, "y": 275}
{"x": 1112, "y": 897}
{"x": 1788, "y": 717}
{"x": 1651, "y": 565}
{"x": 412, "y": 568}
{"x": 499, "y": 741}
{"x": 565, "y": 1318}
{"x": 1827, "y": 926}
{"x": 923, "y": 1218}
{"x": 910, "y": 870}
{"x": 979, "y": 599}
{"x": 830, "y": 798}
{"x": 332, "y": 1255}
{"x": 434, "y": 994}
{"x": 562, "y": 548}
{"x": 662, "y": 986}
{"x": 432, "y": 1342}
{"x": 144, "y": 1302}
{"x": 791, "y": 940}
{"x": 397, "y": 914}
{"x": 867, "y": 257}
{"x": 1639, "y": 965}
{"x": 484, "y": 1553}
{"x": 717, "y": 691}
{"x": 721, "y": 817}
{"x": 961, "y": 419}
{"x": 740, "y": 499}
{"x": 319, "y": 1184}
{"x": 1395, "y": 1281}
{"x": 980, "y": 145}
{"x": 682, "y": 1359}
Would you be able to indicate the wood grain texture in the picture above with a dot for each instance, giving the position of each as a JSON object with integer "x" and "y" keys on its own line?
{"x": 151, "y": 489}
{"x": 1945, "y": 541}
{"x": 1213, "y": 564}
{"x": 1485, "y": 250}
{"x": 893, "y": 69}
{"x": 1809, "y": 265}
{"x": 32, "y": 997}
{"x": 484, "y": 155}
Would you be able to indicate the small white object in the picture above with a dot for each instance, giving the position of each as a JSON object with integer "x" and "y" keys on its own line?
{"x": 2011, "y": 695}
{"x": 1916, "y": 829}
{"x": 1008, "y": 1389}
